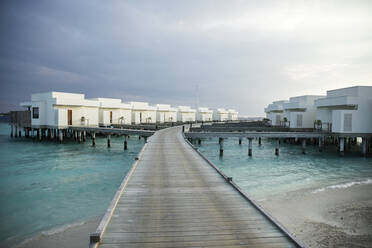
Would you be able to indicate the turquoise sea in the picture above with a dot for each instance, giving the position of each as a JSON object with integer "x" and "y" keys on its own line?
{"x": 264, "y": 174}
{"x": 46, "y": 185}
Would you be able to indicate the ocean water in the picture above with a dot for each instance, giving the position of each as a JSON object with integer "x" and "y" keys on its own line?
{"x": 264, "y": 175}
{"x": 46, "y": 185}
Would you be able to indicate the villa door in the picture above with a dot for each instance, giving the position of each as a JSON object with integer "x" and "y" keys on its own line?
{"x": 110, "y": 117}
{"x": 69, "y": 117}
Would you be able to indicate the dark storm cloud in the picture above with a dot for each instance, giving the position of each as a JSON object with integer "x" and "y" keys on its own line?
{"x": 241, "y": 54}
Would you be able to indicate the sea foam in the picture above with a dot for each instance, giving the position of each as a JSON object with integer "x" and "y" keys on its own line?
{"x": 343, "y": 185}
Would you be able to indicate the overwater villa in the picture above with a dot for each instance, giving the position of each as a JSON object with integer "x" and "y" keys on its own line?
{"x": 204, "y": 114}
{"x": 113, "y": 111}
{"x": 275, "y": 112}
{"x": 233, "y": 115}
{"x": 165, "y": 113}
{"x": 59, "y": 109}
{"x": 220, "y": 114}
{"x": 300, "y": 111}
{"x": 346, "y": 110}
{"x": 186, "y": 114}
{"x": 142, "y": 112}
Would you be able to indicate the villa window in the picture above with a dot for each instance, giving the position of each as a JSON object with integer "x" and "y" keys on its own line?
{"x": 299, "y": 120}
{"x": 348, "y": 120}
{"x": 35, "y": 113}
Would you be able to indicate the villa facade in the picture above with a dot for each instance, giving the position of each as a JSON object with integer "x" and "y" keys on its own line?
{"x": 113, "y": 111}
{"x": 204, "y": 114}
{"x": 186, "y": 114}
{"x": 275, "y": 113}
{"x": 165, "y": 113}
{"x": 220, "y": 114}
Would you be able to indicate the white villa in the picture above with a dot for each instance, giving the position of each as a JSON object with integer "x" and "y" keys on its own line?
{"x": 275, "y": 112}
{"x": 300, "y": 111}
{"x": 204, "y": 114}
{"x": 59, "y": 109}
{"x": 233, "y": 115}
{"x": 165, "y": 113}
{"x": 142, "y": 112}
{"x": 220, "y": 114}
{"x": 346, "y": 110}
{"x": 113, "y": 111}
{"x": 185, "y": 114}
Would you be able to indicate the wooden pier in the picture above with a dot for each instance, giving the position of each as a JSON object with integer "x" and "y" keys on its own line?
{"x": 174, "y": 197}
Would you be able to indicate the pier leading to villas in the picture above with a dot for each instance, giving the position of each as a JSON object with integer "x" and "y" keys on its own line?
{"x": 174, "y": 197}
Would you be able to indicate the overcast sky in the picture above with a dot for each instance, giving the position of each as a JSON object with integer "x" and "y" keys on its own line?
{"x": 239, "y": 54}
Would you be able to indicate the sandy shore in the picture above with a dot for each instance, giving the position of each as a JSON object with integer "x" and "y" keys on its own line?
{"x": 330, "y": 218}
{"x": 76, "y": 236}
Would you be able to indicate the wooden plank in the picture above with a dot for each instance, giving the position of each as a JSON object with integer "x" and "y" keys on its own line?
{"x": 175, "y": 199}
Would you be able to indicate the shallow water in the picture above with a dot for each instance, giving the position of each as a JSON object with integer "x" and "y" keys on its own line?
{"x": 46, "y": 185}
{"x": 264, "y": 174}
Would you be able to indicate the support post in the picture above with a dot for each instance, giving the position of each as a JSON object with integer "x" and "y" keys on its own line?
{"x": 16, "y": 131}
{"x": 93, "y": 139}
{"x": 240, "y": 141}
{"x": 139, "y": 137}
{"x": 342, "y": 146}
{"x": 60, "y": 136}
{"x": 20, "y": 132}
{"x": 51, "y": 133}
{"x": 75, "y": 135}
{"x": 250, "y": 147}
{"x": 109, "y": 140}
{"x": 125, "y": 143}
{"x": 320, "y": 144}
{"x": 221, "y": 146}
{"x": 199, "y": 141}
{"x": 183, "y": 128}
{"x": 277, "y": 147}
{"x": 11, "y": 130}
{"x": 364, "y": 146}
{"x": 40, "y": 134}
{"x": 259, "y": 141}
{"x": 79, "y": 136}
{"x": 32, "y": 133}
{"x": 303, "y": 146}
{"x": 84, "y": 136}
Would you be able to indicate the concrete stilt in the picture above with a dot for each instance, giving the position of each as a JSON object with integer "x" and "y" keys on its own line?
{"x": 221, "y": 146}
{"x": 240, "y": 141}
{"x": 93, "y": 139}
{"x": 259, "y": 141}
{"x": 109, "y": 140}
{"x": 75, "y": 135}
{"x": 79, "y": 135}
{"x": 20, "y": 132}
{"x": 250, "y": 147}
{"x": 320, "y": 144}
{"x": 139, "y": 137}
{"x": 32, "y": 133}
{"x": 16, "y": 131}
{"x": 51, "y": 133}
{"x": 84, "y": 136}
{"x": 303, "y": 146}
{"x": 342, "y": 146}
{"x": 277, "y": 147}
{"x": 40, "y": 134}
{"x": 199, "y": 141}
{"x": 125, "y": 143}
{"x": 364, "y": 146}
{"x": 60, "y": 136}
{"x": 11, "y": 130}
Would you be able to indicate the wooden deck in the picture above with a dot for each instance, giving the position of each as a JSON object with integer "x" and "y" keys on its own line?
{"x": 172, "y": 197}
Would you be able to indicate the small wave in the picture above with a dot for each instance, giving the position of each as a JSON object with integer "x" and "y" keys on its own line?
{"x": 50, "y": 232}
{"x": 343, "y": 185}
